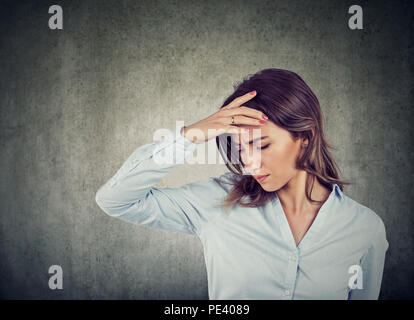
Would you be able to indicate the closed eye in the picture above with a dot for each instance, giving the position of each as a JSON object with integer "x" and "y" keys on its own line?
{"x": 261, "y": 148}
{"x": 264, "y": 147}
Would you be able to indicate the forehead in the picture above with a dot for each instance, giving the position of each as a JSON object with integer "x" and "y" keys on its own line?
{"x": 256, "y": 135}
{"x": 269, "y": 131}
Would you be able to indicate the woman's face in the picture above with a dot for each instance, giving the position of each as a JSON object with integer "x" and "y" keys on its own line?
{"x": 274, "y": 153}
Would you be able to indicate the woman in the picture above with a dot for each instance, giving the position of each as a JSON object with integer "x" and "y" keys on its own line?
{"x": 278, "y": 225}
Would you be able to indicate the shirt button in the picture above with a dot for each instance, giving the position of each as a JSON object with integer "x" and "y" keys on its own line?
{"x": 287, "y": 292}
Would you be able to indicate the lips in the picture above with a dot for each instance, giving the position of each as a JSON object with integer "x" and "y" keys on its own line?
{"x": 261, "y": 178}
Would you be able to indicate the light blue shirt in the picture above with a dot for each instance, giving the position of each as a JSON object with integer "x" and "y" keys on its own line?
{"x": 251, "y": 253}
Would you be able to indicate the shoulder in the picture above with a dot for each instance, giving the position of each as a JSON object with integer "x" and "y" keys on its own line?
{"x": 361, "y": 211}
{"x": 364, "y": 219}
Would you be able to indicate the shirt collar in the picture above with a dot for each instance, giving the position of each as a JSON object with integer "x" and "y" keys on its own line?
{"x": 338, "y": 191}
{"x": 335, "y": 188}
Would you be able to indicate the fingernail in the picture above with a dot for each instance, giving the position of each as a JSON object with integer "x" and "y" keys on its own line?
{"x": 253, "y": 92}
{"x": 264, "y": 116}
{"x": 262, "y": 121}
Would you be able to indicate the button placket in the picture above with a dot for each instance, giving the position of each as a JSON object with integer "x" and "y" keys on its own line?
{"x": 291, "y": 274}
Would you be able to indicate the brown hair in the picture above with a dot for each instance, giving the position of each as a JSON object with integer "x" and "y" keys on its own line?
{"x": 289, "y": 102}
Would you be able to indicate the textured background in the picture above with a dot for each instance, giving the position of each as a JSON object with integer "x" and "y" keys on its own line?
{"x": 75, "y": 103}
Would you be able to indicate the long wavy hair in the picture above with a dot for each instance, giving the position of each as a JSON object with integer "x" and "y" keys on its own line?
{"x": 289, "y": 102}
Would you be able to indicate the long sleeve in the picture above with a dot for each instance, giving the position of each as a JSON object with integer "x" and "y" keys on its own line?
{"x": 130, "y": 194}
{"x": 372, "y": 264}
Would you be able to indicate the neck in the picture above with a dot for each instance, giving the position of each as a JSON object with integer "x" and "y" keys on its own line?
{"x": 293, "y": 197}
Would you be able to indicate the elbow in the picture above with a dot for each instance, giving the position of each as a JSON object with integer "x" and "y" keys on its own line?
{"x": 100, "y": 201}
{"x": 98, "y": 198}
{"x": 105, "y": 200}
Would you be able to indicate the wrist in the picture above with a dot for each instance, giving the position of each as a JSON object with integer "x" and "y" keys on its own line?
{"x": 184, "y": 131}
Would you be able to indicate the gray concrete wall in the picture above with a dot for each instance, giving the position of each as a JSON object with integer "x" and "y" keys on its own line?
{"x": 75, "y": 103}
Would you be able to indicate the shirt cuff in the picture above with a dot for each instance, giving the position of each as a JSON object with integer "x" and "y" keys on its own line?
{"x": 182, "y": 141}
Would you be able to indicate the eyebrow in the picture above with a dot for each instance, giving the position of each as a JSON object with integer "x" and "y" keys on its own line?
{"x": 261, "y": 138}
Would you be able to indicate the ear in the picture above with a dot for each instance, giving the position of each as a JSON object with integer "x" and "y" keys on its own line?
{"x": 305, "y": 140}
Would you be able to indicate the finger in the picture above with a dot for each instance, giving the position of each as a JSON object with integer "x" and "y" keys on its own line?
{"x": 246, "y": 111}
{"x": 240, "y": 100}
{"x": 243, "y": 120}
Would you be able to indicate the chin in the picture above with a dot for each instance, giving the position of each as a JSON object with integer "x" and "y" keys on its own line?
{"x": 271, "y": 187}
{"x": 268, "y": 189}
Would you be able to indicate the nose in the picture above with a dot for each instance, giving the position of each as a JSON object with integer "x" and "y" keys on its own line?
{"x": 252, "y": 161}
